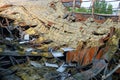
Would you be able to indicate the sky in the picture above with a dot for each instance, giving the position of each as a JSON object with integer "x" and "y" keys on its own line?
{"x": 115, "y": 4}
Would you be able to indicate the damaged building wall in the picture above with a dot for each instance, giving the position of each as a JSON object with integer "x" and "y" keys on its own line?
{"x": 47, "y": 17}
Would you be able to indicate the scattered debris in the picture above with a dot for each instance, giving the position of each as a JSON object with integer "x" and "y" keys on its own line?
{"x": 92, "y": 72}
{"x": 67, "y": 49}
{"x": 26, "y": 37}
{"x": 56, "y": 76}
{"x": 23, "y": 42}
{"x": 35, "y": 64}
{"x": 9, "y": 39}
{"x": 29, "y": 49}
{"x": 57, "y": 54}
{"x": 109, "y": 74}
{"x": 61, "y": 68}
{"x": 46, "y": 42}
{"x": 51, "y": 65}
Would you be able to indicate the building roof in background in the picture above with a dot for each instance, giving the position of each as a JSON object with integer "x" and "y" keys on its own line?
{"x": 115, "y": 3}
{"x": 87, "y": 3}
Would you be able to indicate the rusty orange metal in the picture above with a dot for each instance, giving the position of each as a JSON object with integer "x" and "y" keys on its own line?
{"x": 84, "y": 55}
{"x": 80, "y": 17}
{"x": 99, "y": 21}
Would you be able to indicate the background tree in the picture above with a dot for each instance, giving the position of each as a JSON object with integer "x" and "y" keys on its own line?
{"x": 109, "y": 9}
{"x": 99, "y": 6}
{"x": 102, "y": 7}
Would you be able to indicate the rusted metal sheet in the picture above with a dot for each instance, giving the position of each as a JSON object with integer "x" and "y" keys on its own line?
{"x": 84, "y": 55}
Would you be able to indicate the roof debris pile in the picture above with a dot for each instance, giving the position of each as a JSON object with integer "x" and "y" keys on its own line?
{"x": 43, "y": 41}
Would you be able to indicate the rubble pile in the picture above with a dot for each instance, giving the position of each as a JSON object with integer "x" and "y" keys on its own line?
{"x": 42, "y": 41}
{"x": 49, "y": 22}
